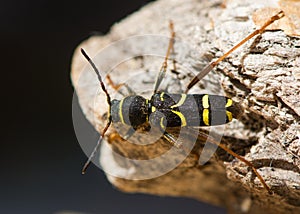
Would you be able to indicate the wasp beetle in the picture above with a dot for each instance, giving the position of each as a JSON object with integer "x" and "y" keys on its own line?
{"x": 165, "y": 110}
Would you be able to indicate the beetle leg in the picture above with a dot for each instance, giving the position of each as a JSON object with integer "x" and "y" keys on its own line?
{"x": 213, "y": 64}
{"x": 117, "y": 87}
{"x": 171, "y": 139}
{"x": 163, "y": 69}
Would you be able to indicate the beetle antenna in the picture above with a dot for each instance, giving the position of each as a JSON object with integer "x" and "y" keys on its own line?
{"x": 88, "y": 162}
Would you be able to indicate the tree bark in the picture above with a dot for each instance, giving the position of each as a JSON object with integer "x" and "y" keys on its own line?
{"x": 263, "y": 76}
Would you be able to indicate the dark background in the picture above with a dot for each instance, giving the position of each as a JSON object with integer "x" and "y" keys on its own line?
{"x": 40, "y": 158}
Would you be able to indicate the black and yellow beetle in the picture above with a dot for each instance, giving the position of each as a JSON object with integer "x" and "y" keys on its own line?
{"x": 166, "y": 110}
{"x": 175, "y": 110}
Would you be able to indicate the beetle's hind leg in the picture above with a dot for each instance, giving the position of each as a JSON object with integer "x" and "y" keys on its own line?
{"x": 213, "y": 64}
{"x": 229, "y": 151}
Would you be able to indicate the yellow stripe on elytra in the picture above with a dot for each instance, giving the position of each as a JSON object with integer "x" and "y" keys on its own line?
{"x": 229, "y": 102}
{"x": 181, "y": 116}
{"x": 120, "y": 111}
{"x": 162, "y": 123}
{"x": 205, "y": 115}
{"x": 229, "y": 116}
{"x": 153, "y": 109}
{"x": 205, "y": 102}
{"x": 180, "y": 102}
{"x": 162, "y": 96}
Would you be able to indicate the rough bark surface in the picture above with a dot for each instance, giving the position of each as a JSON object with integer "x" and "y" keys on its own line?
{"x": 263, "y": 75}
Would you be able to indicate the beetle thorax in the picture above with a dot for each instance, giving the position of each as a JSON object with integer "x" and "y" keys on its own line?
{"x": 131, "y": 110}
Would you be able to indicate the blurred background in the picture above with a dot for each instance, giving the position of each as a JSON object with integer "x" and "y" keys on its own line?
{"x": 41, "y": 159}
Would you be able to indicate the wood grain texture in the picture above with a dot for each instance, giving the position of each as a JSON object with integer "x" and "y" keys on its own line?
{"x": 262, "y": 75}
